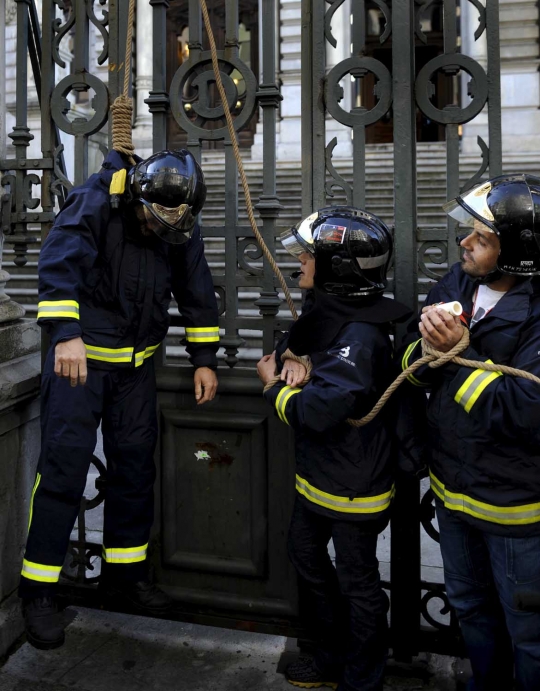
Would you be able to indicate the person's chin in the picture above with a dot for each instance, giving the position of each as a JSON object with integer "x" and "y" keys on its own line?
{"x": 304, "y": 283}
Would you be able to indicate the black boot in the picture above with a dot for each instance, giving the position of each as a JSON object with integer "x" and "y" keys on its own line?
{"x": 44, "y": 623}
{"x": 303, "y": 673}
{"x": 142, "y": 595}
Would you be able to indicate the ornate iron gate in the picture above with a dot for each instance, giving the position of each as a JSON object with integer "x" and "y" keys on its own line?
{"x": 220, "y": 528}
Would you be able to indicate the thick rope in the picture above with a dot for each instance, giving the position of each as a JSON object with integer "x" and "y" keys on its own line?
{"x": 431, "y": 357}
{"x": 236, "y": 150}
{"x": 122, "y": 108}
{"x": 303, "y": 360}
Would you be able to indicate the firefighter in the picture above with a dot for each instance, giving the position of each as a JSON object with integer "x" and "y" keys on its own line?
{"x": 344, "y": 479}
{"x": 484, "y": 430}
{"x": 106, "y": 271}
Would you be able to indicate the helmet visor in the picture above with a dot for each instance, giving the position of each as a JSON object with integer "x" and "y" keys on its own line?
{"x": 471, "y": 206}
{"x": 299, "y": 238}
{"x": 174, "y": 225}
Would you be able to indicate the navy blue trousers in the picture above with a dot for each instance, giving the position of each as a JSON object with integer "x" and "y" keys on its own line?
{"x": 124, "y": 402}
{"x": 483, "y": 573}
{"x": 345, "y": 606}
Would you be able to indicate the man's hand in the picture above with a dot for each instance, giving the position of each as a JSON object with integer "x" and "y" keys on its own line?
{"x": 206, "y": 382}
{"x": 440, "y": 329}
{"x": 293, "y": 372}
{"x": 266, "y": 368}
{"x": 70, "y": 361}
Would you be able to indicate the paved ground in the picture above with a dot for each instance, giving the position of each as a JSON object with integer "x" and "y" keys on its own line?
{"x": 117, "y": 652}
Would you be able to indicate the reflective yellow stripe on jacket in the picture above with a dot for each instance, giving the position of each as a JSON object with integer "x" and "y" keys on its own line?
{"x": 504, "y": 515}
{"x": 473, "y": 386}
{"x": 117, "y": 355}
{"x": 54, "y": 309}
{"x": 375, "y": 504}
{"x": 405, "y": 364}
{"x": 282, "y": 399}
{"x": 202, "y": 334}
{"x": 124, "y": 555}
{"x": 44, "y": 573}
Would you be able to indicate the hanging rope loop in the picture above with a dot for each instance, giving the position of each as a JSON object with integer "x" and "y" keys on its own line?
{"x": 122, "y": 107}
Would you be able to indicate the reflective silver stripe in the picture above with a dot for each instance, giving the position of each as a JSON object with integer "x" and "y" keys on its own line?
{"x": 122, "y": 555}
{"x": 379, "y": 502}
{"x": 462, "y": 503}
{"x": 109, "y": 353}
{"x": 60, "y": 308}
{"x": 473, "y": 387}
{"x": 41, "y": 572}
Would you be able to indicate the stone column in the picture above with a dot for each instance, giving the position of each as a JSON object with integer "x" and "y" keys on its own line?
{"x": 142, "y": 132}
{"x": 9, "y": 310}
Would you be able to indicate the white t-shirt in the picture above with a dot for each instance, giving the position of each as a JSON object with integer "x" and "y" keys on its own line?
{"x": 485, "y": 301}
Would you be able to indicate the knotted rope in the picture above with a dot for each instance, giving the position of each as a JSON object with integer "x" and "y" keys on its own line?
{"x": 431, "y": 357}
{"x": 122, "y": 108}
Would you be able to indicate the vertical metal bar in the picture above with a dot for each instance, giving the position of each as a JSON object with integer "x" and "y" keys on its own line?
{"x": 158, "y": 101}
{"x": 452, "y": 134}
{"x": 231, "y": 28}
{"x": 359, "y": 166}
{"x": 307, "y": 107}
{"x": 405, "y": 559}
{"x": 231, "y": 340}
{"x": 358, "y": 32}
{"x": 317, "y": 84}
{"x": 494, "y": 87}
{"x": 195, "y": 29}
{"x": 268, "y": 205}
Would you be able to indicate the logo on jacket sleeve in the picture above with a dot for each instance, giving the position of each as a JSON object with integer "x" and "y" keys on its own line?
{"x": 343, "y": 355}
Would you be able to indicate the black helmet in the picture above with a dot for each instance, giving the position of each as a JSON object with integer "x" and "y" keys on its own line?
{"x": 170, "y": 185}
{"x": 509, "y": 206}
{"x": 352, "y": 249}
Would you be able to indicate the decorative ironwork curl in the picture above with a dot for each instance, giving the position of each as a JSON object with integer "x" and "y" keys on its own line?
{"x": 28, "y": 182}
{"x": 358, "y": 67}
{"x": 339, "y": 181}
{"x": 253, "y": 254}
{"x": 60, "y": 106}
{"x": 100, "y": 25}
{"x": 452, "y": 115}
{"x": 436, "y": 592}
{"x": 427, "y": 515}
{"x": 471, "y": 182}
{"x": 481, "y": 18}
{"x": 387, "y": 14}
{"x": 335, "y": 5}
{"x": 60, "y": 30}
{"x": 441, "y": 247}
{"x": 60, "y": 180}
{"x": 423, "y": 5}
{"x": 220, "y": 295}
{"x": 198, "y": 74}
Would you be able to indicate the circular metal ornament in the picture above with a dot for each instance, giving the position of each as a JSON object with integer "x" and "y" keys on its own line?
{"x": 100, "y": 103}
{"x": 200, "y": 105}
{"x": 453, "y": 115}
{"x": 358, "y": 116}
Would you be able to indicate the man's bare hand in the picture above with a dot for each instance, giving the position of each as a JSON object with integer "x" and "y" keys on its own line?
{"x": 70, "y": 361}
{"x": 206, "y": 382}
{"x": 266, "y": 368}
{"x": 293, "y": 372}
{"x": 440, "y": 329}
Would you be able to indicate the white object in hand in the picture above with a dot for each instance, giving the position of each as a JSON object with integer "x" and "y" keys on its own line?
{"x": 453, "y": 308}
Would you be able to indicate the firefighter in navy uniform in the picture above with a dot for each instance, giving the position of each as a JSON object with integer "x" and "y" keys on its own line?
{"x": 344, "y": 477}
{"x": 484, "y": 430}
{"x": 106, "y": 272}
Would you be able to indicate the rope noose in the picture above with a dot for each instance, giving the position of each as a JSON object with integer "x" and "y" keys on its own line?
{"x": 122, "y": 108}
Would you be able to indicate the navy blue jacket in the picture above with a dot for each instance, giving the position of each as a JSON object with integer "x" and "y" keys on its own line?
{"x": 342, "y": 471}
{"x": 484, "y": 427}
{"x": 102, "y": 280}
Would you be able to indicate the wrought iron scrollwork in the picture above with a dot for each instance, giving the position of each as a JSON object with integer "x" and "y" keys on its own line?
{"x": 441, "y": 258}
{"x": 481, "y": 18}
{"x": 427, "y": 515}
{"x": 337, "y": 179}
{"x": 101, "y": 26}
{"x": 435, "y": 591}
{"x": 61, "y": 30}
{"x": 248, "y": 249}
{"x": 471, "y": 182}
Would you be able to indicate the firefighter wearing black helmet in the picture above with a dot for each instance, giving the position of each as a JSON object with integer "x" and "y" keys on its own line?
{"x": 484, "y": 430}
{"x": 344, "y": 477}
{"x": 117, "y": 250}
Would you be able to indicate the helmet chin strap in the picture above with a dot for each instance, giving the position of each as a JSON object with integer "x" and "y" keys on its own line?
{"x": 490, "y": 277}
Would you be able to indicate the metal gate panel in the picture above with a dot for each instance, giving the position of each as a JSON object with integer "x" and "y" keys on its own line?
{"x": 226, "y": 473}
